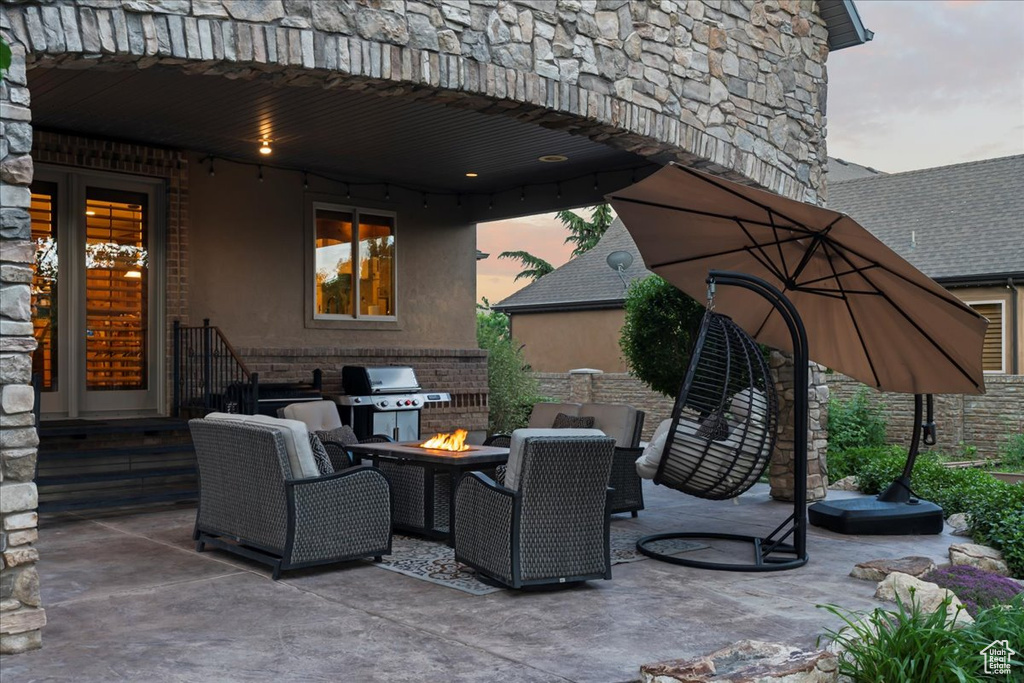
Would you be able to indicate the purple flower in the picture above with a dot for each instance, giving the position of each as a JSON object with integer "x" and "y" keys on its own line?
{"x": 976, "y": 588}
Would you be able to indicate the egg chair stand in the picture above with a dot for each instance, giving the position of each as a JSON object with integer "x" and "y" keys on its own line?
{"x": 727, "y": 364}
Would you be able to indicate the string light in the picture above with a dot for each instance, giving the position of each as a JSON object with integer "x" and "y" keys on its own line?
{"x": 348, "y": 184}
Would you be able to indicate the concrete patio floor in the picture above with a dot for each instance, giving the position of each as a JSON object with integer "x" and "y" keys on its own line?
{"x": 128, "y": 598}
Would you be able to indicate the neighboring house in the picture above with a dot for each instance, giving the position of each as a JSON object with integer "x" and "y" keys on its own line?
{"x": 961, "y": 225}
{"x": 308, "y": 176}
{"x": 572, "y": 317}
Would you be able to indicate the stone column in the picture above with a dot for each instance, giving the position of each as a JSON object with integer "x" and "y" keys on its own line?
{"x": 21, "y": 616}
{"x": 780, "y": 472}
{"x": 581, "y": 384}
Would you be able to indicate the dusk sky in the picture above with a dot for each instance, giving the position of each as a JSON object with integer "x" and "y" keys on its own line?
{"x": 941, "y": 83}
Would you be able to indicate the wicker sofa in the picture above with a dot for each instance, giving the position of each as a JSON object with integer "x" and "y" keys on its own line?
{"x": 550, "y": 523}
{"x": 261, "y": 496}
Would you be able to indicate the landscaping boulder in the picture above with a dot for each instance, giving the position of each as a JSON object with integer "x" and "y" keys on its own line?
{"x": 845, "y": 484}
{"x": 876, "y": 570}
{"x": 748, "y": 661}
{"x": 961, "y": 523}
{"x": 980, "y": 556}
{"x": 927, "y": 595}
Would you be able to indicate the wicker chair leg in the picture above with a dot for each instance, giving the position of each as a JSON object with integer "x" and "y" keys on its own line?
{"x": 378, "y": 558}
{"x": 276, "y": 574}
{"x": 200, "y": 546}
{"x": 634, "y": 514}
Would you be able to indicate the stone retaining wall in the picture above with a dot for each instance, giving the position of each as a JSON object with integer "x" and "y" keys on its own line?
{"x": 984, "y": 421}
{"x": 739, "y": 87}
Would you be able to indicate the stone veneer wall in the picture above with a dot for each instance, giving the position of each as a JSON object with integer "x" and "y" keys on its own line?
{"x": 584, "y": 386}
{"x": 738, "y": 87}
{"x": 461, "y": 373}
{"x": 984, "y": 421}
{"x": 21, "y": 615}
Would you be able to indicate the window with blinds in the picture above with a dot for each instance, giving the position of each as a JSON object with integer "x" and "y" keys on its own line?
{"x": 43, "y": 212}
{"x": 993, "y": 355}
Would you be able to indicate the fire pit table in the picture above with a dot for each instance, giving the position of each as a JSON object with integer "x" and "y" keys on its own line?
{"x": 423, "y": 481}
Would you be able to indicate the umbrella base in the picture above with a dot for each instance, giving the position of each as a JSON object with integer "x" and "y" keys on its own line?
{"x": 873, "y": 517}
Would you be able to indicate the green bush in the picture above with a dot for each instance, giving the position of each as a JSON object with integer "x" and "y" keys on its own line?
{"x": 856, "y": 423}
{"x": 658, "y": 333}
{"x": 1011, "y": 454}
{"x": 886, "y": 646}
{"x": 853, "y": 461}
{"x": 512, "y": 389}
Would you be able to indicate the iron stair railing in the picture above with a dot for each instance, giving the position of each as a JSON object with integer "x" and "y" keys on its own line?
{"x": 208, "y": 373}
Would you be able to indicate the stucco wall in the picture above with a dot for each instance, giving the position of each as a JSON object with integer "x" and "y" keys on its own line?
{"x": 559, "y": 342}
{"x": 248, "y": 268}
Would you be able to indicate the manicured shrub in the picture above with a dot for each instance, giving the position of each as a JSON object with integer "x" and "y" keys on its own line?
{"x": 658, "y": 333}
{"x": 1011, "y": 454}
{"x": 879, "y": 467}
{"x": 853, "y": 461}
{"x": 856, "y": 423}
{"x": 976, "y": 588}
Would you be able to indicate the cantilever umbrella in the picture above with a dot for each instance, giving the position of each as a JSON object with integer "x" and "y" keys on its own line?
{"x": 868, "y": 313}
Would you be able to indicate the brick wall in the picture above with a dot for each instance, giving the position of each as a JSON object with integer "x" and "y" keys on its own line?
{"x": 459, "y": 372}
{"x": 983, "y": 421}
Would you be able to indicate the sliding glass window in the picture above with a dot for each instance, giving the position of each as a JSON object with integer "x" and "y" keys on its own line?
{"x": 354, "y": 263}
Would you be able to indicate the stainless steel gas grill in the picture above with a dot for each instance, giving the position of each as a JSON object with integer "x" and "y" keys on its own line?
{"x": 384, "y": 400}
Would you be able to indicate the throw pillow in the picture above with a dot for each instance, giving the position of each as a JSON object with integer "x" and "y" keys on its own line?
{"x": 343, "y": 435}
{"x": 714, "y": 427}
{"x": 563, "y": 421}
{"x": 323, "y": 461}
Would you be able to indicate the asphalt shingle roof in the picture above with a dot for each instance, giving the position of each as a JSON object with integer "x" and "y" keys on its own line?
{"x": 585, "y": 281}
{"x": 839, "y": 170}
{"x": 950, "y": 222}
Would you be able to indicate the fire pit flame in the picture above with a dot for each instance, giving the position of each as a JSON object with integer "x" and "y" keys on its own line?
{"x": 456, "y": 441}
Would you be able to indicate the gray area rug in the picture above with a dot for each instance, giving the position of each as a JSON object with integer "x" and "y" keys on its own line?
{"x": 434, "y": 561}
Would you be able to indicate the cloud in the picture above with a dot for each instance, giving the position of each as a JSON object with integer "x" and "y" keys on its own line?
{"x": 929, "y": 62}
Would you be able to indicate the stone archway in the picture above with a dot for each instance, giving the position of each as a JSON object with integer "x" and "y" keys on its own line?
{"x": 739, "y": 91}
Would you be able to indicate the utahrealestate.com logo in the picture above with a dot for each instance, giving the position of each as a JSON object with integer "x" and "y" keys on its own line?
{"x": 997, "y": 658}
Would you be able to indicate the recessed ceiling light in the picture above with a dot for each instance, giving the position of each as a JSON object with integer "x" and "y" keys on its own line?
{"x": 265, "y": 147}
{"x": 472, "y": 175}
{"x": 553, "y": 158}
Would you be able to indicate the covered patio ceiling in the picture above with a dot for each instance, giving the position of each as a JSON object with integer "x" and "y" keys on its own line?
{"x": 352, "y": 135}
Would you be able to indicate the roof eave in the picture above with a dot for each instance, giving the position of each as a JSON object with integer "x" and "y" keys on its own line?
{"x": 845, "y": 28}
{"x": 984, "y": 279}
{"x": 561, "y": 307}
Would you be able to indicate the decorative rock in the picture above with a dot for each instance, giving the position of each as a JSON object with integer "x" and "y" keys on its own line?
{"x": 255, "y": 10}
{"x": 328, "y": 16}
{"x": 748, "y": 661}
{"x": 845, "y": 484}
{"x": 22, "y": 620}
{"x": 928, "y": 596}
{"x": 20, "y": 463}
{"x": 19, "y": 556}
{"x": 980, "y": 556}
{"x": 876, "y": 570}
{"x": 17, "y": 398}
{"x": 961, "y": 523}
{"x": 26, "y": 587}
{"x": 17, "y": 170}
{"x": 22, "y": 520}
{"x": 16, "y": 643}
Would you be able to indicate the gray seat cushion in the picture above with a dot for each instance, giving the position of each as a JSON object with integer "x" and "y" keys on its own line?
{"x": 519, "y": 437}
{"x": 544, "y": 414}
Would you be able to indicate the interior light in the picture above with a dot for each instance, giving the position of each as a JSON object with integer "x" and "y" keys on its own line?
{"x": 472, "y": 175}
{"x": 90, "y": 212}
{"x": 134, "y": 274}
{"x": 265, "y": 147}
{"x": 553, "y": 158}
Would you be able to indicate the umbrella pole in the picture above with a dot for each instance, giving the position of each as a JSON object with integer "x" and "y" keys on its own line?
{"x": 899, "y": 491}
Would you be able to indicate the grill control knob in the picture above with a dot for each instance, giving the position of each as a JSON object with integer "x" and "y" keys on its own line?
{"x": 415, "y": 402}
{"x": 384, "y": 403}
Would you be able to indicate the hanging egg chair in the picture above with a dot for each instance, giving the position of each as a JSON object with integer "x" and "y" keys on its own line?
{"x": 722, "y": 436}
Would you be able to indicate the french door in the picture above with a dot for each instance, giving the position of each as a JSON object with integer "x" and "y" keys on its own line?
{"x": 96, "y": 286}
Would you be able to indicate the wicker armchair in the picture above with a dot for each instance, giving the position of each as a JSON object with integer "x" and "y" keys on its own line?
{"x": 251, "y": 504}
{"x": 622, "y": 422}
{"x": 552, "y": 525}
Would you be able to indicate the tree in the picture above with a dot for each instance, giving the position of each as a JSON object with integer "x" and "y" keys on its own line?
{"x": 512, "y": 389}
{"x": 534, "y": 267}
{"x": 585, "y": 235}
{"x": 658, "y": 334}
{"x": 5, "y": 58}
